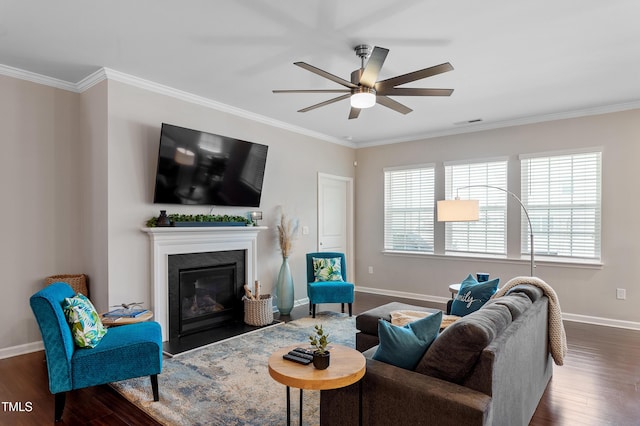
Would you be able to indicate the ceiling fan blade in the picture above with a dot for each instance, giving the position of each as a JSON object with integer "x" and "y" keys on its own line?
{"x": 394, "y": 105}
{"x": 407, "y": 91}
{"x": 354, "y": 113}
{"x": 325, "y": 74}
{"x": 321, "y": 104}
{"x": 314, "y": 91}
{"x": 413, "y": 76}
{"x": 372, "y": 69}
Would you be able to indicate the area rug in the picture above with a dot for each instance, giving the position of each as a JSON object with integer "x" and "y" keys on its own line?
{"x": 228, "y": 383}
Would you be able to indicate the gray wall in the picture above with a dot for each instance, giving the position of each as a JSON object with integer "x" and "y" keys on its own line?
{"x": 77, "y": 186}
{"x": 582, "y": 290}
{"x": 293, "y": 164}
{"x": 39, "y": 192}
{"x": 78, "y": 175}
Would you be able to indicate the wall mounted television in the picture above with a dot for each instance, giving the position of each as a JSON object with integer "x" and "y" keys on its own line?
{"x": 201, "y": 168}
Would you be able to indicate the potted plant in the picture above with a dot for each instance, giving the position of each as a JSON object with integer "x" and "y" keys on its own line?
{"x": 319, "y": 341}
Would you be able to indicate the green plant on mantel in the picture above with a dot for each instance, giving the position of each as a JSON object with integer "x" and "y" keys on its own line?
{"x": 319, "y": 340}
{"x": 153, "y": 222}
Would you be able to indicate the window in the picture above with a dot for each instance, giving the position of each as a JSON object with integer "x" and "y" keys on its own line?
{"x": 409, "y": 208}
{"x": 562, "y": 194}
{"x": 488, "y": 235}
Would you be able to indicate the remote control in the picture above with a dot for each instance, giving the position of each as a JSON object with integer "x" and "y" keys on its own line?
{"x": 304, "y": 351}
{"x": 297, "y": 359}
{"x": 301, "y": 354}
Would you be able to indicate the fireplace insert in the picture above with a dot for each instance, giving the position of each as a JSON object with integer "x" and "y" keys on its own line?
{"x": 205, "y": 291}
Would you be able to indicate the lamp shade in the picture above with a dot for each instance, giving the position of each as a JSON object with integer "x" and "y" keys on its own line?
{"x": 458, "y": 210}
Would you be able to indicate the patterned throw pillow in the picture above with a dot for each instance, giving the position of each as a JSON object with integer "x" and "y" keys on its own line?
{"x": 327, "y": 269}
{"x": 86, "y": 327}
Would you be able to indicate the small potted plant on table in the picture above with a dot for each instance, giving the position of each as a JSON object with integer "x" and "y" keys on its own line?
{"x": 319, "y": 341}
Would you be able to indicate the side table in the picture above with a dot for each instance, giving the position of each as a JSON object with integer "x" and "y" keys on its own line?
{"x": 454, "y": 289}
{"x": 113, "y": 321}
{"x": 347, "y": 367}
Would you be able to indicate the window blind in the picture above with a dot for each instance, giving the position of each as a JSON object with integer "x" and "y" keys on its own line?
{"x": 409, "y": 208}
{"x": 488, "y": 235}
{"x": 562, "y": 194}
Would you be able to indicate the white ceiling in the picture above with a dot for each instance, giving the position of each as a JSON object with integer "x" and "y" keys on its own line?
{"x": 514, "y": 61}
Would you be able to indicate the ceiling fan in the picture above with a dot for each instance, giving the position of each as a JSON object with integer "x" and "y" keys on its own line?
{"x": 364, "y": 91}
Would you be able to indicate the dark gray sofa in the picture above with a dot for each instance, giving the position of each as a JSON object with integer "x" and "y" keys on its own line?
{"x": 489, "y": 368}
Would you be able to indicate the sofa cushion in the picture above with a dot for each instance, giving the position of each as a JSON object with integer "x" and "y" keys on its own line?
{"x": 472, "y": 295}
{"x": 454, "y": 353}
{"x": 404, "y": 346}
{"x": 534, "y": 293}
{"x": 517, "y": 303}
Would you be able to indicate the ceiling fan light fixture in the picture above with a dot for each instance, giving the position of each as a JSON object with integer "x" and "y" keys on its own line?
{"x": 363, "y": 97}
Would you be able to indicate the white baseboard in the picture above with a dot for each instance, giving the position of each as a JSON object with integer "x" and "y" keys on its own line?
{"x": 403, "y": 294}
{"x": 39, "y": 346}
{"x": 608, "y": 322}
{"x": 27, "y": 348}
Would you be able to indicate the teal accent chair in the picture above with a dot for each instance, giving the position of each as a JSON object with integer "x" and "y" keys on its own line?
{"x": 125, "y": 352}
{"x": 328, "y": 291}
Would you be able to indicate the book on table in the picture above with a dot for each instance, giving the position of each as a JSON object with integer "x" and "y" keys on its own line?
{"x": 126, "y": 313}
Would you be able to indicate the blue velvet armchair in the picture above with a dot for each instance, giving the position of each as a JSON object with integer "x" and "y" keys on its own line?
{"x": 328, "y": 291}
{"x": 124, "y": 352}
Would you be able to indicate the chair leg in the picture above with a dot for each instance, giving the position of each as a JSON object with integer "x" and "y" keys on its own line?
{"x": 342, "y": 308}
{"x": 313, "y": 315}
{"x": 350, "y": 309}
{"x": 154, "y": 387}
{"x": 60, "y": 400}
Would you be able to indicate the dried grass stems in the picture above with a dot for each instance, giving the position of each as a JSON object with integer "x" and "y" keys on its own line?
{"x": 287, "y": 231}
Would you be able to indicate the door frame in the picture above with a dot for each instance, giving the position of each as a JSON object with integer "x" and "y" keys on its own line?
{"x": 349, "y": 220}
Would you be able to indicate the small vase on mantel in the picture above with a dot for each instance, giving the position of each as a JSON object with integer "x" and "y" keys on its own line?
{"x": 284, "y": 288}
{"x": 163, "y": 219}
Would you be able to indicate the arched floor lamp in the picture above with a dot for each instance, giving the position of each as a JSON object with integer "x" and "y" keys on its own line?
{"x": 469, "y": 211}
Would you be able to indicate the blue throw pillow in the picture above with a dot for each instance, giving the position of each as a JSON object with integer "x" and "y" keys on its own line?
{"x": 404, "y": 346}
{"x": 473, "y": 295}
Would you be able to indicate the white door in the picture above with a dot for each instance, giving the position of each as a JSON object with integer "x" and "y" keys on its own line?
{"x": 335, "y": 217}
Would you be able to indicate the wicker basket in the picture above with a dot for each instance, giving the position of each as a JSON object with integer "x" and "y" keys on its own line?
{"x": 78, "y": 282}
{"x": 258, "y": 312}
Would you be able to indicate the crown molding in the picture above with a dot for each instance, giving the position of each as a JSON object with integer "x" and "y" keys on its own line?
{"x": 37, "y": 78}
{"x": 110, "y": 74}
{"x": 91, "y": 80}
{"x": 209, "y": 103}
{"x": 472, "y": 128}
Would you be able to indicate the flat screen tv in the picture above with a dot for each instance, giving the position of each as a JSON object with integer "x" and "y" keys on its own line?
{"x": 201, "y": 168}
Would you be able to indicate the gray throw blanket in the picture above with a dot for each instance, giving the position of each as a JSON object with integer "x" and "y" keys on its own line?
{"x": 557, "y": 335}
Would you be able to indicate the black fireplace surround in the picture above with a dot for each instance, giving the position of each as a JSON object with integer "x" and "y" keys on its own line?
{"x": 205, "y": 291}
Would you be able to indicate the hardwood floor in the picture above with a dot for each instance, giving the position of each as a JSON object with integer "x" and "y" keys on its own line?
{"x": 598, "y": 385}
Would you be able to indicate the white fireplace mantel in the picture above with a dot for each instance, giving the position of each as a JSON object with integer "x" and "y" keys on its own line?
{"x": 178, "y": 240}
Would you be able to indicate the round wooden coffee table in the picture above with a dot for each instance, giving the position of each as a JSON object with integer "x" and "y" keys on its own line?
{"x": 347, "y": 367}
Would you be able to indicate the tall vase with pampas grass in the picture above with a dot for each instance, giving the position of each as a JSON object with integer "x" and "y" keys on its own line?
{"x": 287, "y": 230}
